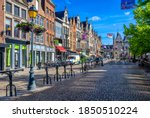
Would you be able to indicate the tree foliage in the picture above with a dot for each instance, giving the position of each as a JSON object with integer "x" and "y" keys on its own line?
{"x": 139, "y": 33}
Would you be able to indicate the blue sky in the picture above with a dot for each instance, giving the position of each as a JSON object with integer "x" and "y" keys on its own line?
{"x": 106, "y": 16}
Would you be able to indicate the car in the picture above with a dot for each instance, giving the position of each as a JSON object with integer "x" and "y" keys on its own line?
{"x": 73, "y": 59}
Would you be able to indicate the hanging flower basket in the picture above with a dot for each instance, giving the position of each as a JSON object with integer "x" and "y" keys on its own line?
{"x": 38, "y": 30}
{"x": 25, "y": 27}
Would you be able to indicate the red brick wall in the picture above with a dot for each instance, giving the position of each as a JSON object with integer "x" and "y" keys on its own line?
{"x": 51, "y": 18}
{"x": 1, "y": 19}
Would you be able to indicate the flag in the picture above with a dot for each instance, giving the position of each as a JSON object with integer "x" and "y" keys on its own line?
{"x": 84, "y": 36}
{"x": 109, "y": 35}
{"x": 127, "y": 4}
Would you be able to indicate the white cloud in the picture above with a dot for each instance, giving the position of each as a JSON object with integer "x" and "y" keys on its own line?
{"x": 127, "y": 13}
{"x": 95, "y": 18}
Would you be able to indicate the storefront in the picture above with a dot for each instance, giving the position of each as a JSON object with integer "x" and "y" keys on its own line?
{"x": 42, "y": 54}
{"x": 16, "y": 53}
{"x": 60, "y": 52}
{"x": 16, "y": 56}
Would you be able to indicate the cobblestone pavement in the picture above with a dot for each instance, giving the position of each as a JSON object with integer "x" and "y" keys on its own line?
{"x": 20, "y": 80}
{"x": 113, "y": 82}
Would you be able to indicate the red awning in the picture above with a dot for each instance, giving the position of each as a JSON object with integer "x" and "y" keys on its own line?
{"x": 60, "y": 48}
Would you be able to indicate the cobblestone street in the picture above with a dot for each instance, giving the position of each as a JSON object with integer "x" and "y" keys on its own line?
{"x": 113, "y": 82}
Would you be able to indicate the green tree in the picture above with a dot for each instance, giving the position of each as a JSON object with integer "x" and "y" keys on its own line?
{"x": 139, "y": 33}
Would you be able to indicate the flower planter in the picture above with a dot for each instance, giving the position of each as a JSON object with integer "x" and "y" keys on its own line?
{"x": 38, "y": 30}
{"x": 25, "y": 27}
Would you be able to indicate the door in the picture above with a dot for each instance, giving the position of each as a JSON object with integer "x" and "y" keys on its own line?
{"x": 37, "y": 57}
{"x": 1, "y": 54}
{"x": 16, "y": 58}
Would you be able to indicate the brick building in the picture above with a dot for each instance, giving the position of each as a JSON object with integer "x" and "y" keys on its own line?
{"x": 44, "y": 50}
{"x": 16, "y": 55}
{"x": 72, "y": 34}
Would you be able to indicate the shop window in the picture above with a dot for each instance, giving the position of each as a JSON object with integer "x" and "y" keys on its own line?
{"x": 8, "y": 56}
{"x": 43, "y": 57}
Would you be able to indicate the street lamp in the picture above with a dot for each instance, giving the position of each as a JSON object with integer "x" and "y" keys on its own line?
{"x": 32, "y": 14}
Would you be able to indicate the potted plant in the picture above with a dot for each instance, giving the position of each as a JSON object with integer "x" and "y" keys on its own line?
{"x": 38, "y": 30}
{"x": 25, "y": 26}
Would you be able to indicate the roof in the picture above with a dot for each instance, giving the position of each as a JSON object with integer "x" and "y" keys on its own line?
{"x": 84, "y": 23}
{"x": 60, "y": 14}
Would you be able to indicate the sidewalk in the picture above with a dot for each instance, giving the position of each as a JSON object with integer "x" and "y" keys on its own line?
{"x": 20, "y": 80}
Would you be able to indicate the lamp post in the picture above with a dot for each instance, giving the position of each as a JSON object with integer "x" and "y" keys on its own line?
{"x": 31, "y": 85}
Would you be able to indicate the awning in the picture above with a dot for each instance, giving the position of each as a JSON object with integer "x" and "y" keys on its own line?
{"x": 60, "y": 48}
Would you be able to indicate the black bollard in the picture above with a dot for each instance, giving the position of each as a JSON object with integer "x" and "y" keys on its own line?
{"x": 57, "y": 74}
{"x": 10, "y": 83}
{"x": 82, "y": 67}
{"x": 85, "y": 66}
{"x": 71, "y": 69}
{"x": 46, "y": 69}
{"x": 65, "y": 73}
{"x": 11, "y": 86}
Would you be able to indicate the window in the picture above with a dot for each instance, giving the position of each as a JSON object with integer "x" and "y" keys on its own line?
{"x": 23, "y": 14}
{"x": 47, "y": 10}
{"x": 40, "y": 39}
{"x": 8, "y": 26}
{"x": 42, "y": 21}
{"x": 50, "y": 25}
{"x": 16, "y": 11}
{"x": 16, "y": 30}
{"x": 23, "y": 35}
{"x": 53, "y": 14}
{"x": 47, "y": 24}
{"x": 47, "y": 36}
{"x": 8, "y": 7}
{"x": 37, "y": 20}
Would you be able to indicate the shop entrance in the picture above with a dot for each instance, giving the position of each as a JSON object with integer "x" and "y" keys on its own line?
{"x": 16, "y": 58}
{"x": 37, "y": 57}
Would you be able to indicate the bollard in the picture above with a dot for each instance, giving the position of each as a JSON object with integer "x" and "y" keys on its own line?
{"x": 57, "y": 75}
{"x": 65, "y": 74}
{"x": 47, "y": 77}
{"x": 82, "y": 67}
{"x": 72, "y": 73}
{"x": 10, "y": 86}
{"x": 85, "y": 67}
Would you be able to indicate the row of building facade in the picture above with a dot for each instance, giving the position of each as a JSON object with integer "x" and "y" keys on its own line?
{"x": 64, "y": 35}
